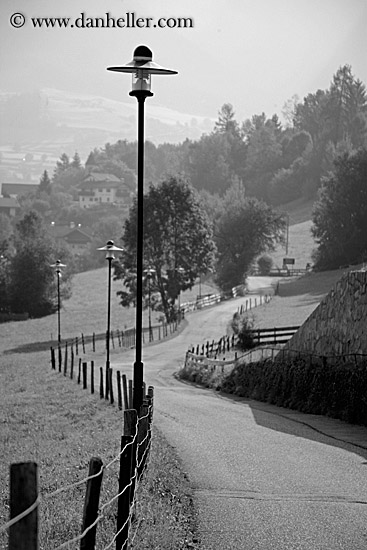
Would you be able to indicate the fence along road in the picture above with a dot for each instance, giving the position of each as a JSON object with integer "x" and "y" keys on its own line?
{"x": 261, "y": 480}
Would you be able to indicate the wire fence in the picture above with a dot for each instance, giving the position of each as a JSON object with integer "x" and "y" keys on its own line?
{"x": 25, "y": 499}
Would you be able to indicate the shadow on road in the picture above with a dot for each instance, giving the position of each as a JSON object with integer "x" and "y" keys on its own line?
{"x": 325, "y": 430}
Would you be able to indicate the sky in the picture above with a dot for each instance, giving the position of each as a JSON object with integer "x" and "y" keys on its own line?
{"x": 254, "y": 54}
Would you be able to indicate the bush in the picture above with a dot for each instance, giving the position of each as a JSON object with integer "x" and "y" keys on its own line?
{"x": 242, "y": 327}
{"x": 265, "y": 264}
{"x": 315, "y": 387}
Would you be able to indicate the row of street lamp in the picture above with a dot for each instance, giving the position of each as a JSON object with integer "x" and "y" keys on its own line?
{"x": 141, "y": 68}
{"x": 110, "y": 249}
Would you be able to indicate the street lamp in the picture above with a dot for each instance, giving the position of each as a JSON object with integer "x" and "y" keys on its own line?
{"x": 110, "y": 248}
{"x": 179, "y": 271}
{"x": 141, "y": 67}
{"x": 149, "y": 275}
{"x": 57, "y": 266}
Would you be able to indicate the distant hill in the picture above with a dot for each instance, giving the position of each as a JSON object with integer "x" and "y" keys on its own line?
{"x": 49, "y": 122}
{"x": 81, "y": 113}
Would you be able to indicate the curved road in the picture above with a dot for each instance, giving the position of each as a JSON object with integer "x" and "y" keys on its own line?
{"x": 263, "y": 477}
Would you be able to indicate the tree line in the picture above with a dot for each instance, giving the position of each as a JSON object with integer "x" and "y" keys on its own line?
{"x": 210, "y": 204}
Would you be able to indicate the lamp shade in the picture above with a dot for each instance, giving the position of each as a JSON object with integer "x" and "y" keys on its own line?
{"x": 58, "y": 266}
{"x": 142, "y": 60}
{"x": 110, "y": 248}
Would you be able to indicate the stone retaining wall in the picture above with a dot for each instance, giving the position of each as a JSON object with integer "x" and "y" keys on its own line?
{"x": 338, "y": 325}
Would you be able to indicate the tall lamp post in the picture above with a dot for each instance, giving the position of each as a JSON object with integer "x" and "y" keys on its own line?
{"x": 110, "y": 249}
{"x": 57, "y": 266}
{"x": 149, "y": 275}
{"x": 141, "y": 67}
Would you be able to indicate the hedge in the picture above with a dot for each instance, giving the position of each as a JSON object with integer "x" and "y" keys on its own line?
{"x": 331, "y": 388}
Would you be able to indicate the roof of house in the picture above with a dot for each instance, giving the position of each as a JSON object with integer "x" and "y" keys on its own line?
{"x": 95, "y": 176}
{"x": 70, "y": 234}
{"x": 6, "y": 202}
{"x": 18, "y": 188}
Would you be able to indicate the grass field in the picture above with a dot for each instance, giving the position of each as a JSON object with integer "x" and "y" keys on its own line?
{"x": 300, "y": 241}
{"x": 297, "y": 299}
{"x": 85, "y": 312}
{"x": 47, "y": 418}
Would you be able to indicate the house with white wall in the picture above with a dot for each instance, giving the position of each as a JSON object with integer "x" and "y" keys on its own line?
{"x": 101, "y": 188}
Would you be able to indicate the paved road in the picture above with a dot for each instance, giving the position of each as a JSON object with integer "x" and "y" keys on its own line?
{"x": 264, "y": 477}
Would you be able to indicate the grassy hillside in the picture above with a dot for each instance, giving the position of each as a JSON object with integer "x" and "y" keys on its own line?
{"x": 297, "y": 298}
{"x": 300, "y": 241}
{"x": 85, "y": 312}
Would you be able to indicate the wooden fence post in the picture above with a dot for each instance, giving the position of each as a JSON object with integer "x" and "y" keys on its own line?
{"x": 72, "y": 364}
{"x": 60, "y": 357}
{"x": 131, "y": 393}
{"x": 79, "y": 369}
{"x": 123, "y": 503}
{"x": 107, "y": 383}
{"x": 53, "y": 360}
{"x": 83, "y": 343}
{"x": 130, "y": 428}
{"x": 76, "y": 346}
{"x": 91, "y": 503}
{"x": 23, "y": 535}
{"x": 84, "y": 375}
{"x": 92, "y": 377}
{"x": 143, "y": 428}
{"x": 66, "y": 359}
{"x": 94, "y": 342}
{"x": 119, "y": 391}
{"x": 101, "y": 392}
{"x": 110, "y": 371}
{"x": 124, "y": 387}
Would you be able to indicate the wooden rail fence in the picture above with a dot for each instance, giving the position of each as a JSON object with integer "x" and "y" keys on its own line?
{"x": 133, "y": 456}
{"x": 122, "y": 338}
{"x": 86, "y": 375}
{"x": 276, "y": 335}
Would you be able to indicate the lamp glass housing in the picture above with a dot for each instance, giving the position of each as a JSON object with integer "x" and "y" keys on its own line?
{"x": 141, "y": 81}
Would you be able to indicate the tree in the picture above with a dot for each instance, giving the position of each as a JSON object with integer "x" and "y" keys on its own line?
{"x": 32, "y": 286}
{"x": 62, "y": 164}
{"x": 265, "y": 264}
{"x": 76, "y": 162}
{"x": 346, "y": 105}
{"x": 45, "y": 184}
{"x": 208, "y": 163}
{"x": 226, "y": 121}
{"x": 339, "y": 216}
{"x": 245, "y": 230}
{"x": 263, "y": 156}
{"x": 6, "y": 232}
{"x": 178, "y": 245}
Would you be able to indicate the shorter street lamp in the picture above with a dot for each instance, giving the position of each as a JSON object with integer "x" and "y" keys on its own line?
{"x": 110, "y": 248}
{"x": 179, "y": 271}
{"x": 57, "y": 266}
{"x": 149, "y": 275}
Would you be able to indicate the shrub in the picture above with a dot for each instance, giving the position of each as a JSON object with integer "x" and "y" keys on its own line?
{"x": 265, "y": 263}
{"x": 242, "y": 327}
{"x": 315, "y": 387}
